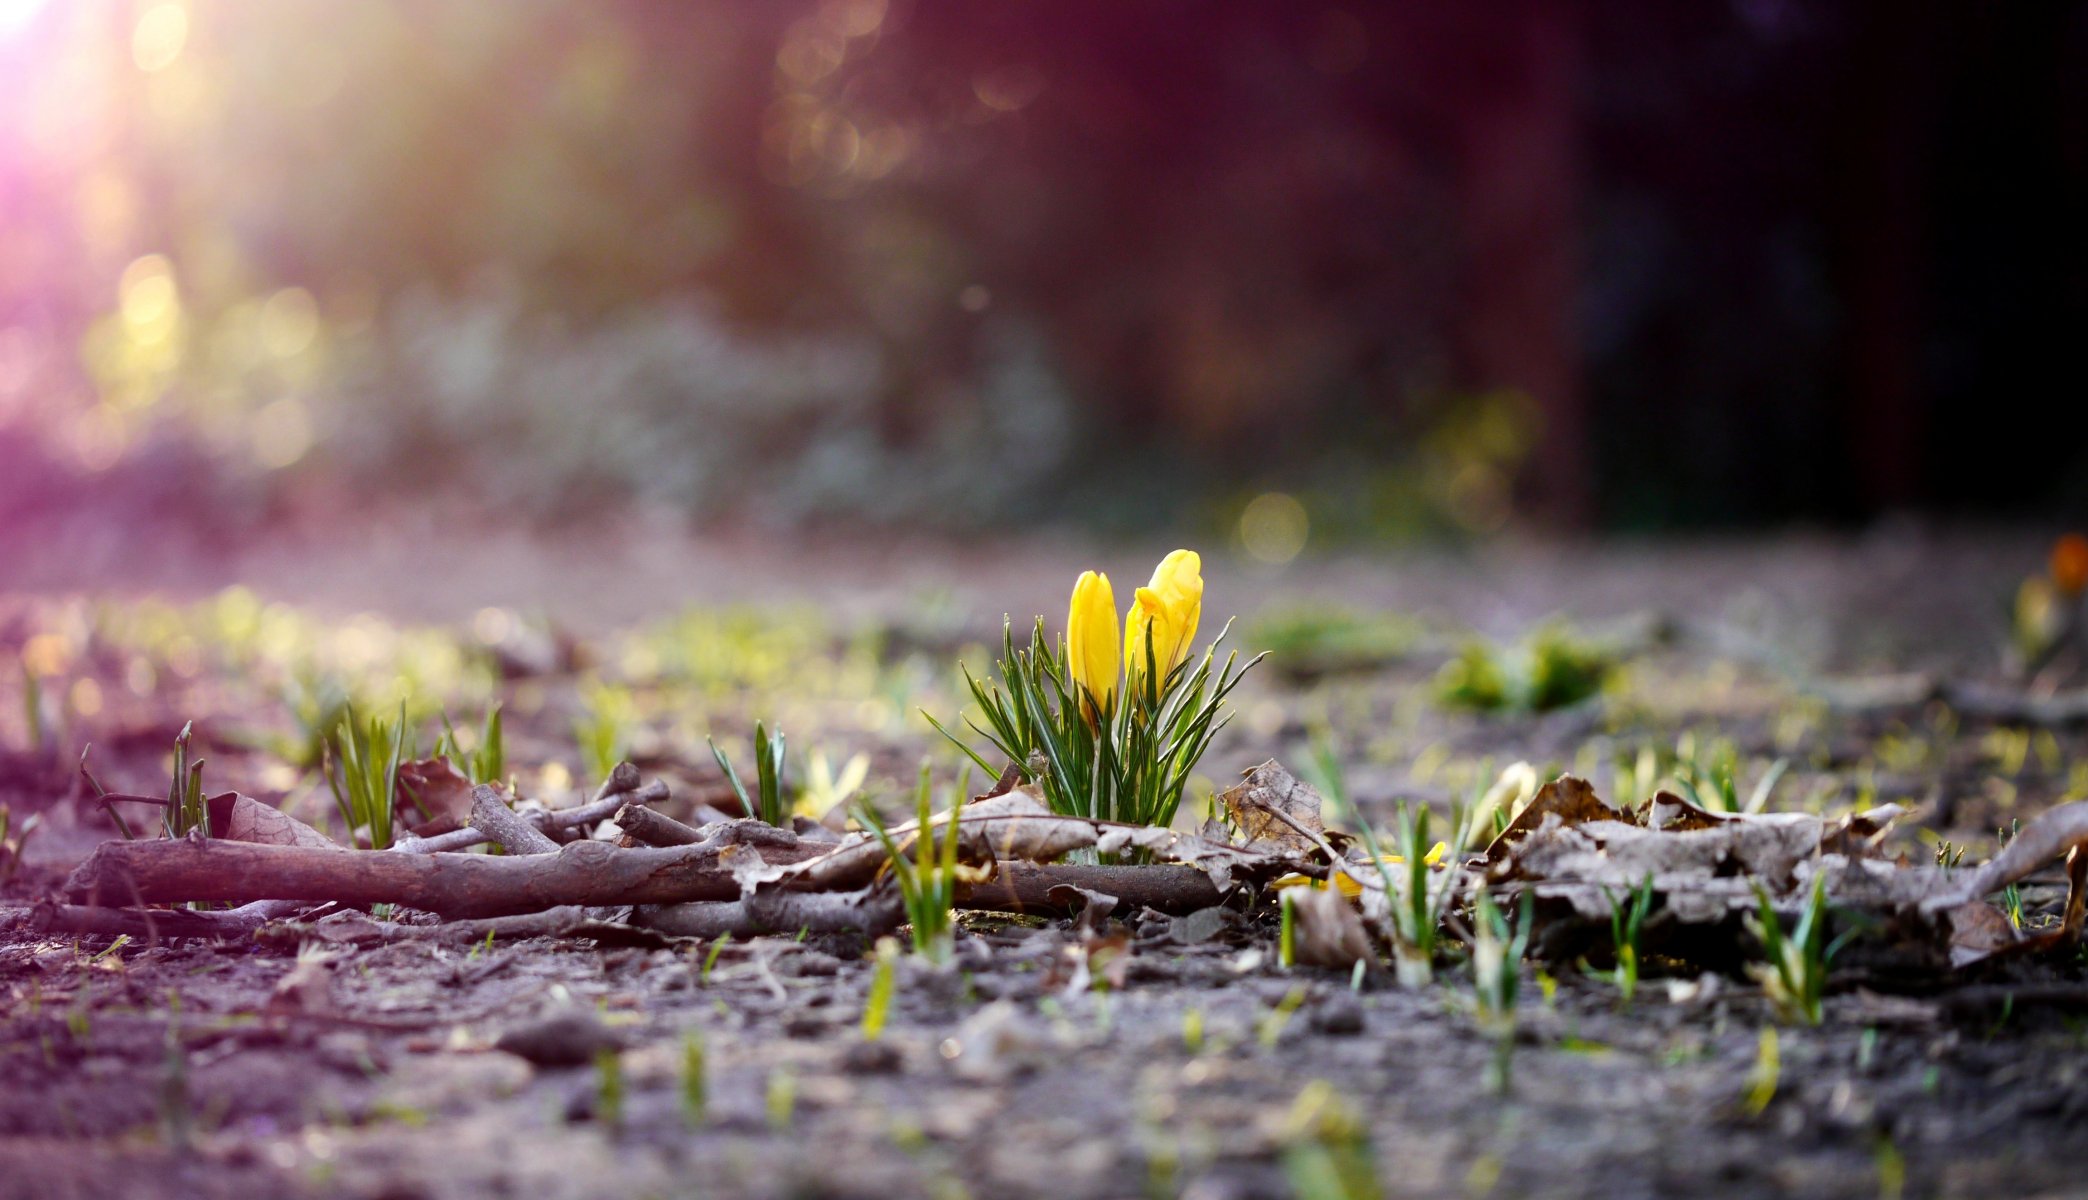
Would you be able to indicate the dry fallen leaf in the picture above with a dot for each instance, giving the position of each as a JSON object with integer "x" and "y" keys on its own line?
{"x": 1327, "y": 930}
{"x": 238, "y": 818}
{"x": 1265, "y": 791}
{"x": 432, "y": 797}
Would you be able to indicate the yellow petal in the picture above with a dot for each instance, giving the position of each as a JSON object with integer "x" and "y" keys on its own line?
{"x": 1166, "y": 610}
{"x": 1091, "y": 648}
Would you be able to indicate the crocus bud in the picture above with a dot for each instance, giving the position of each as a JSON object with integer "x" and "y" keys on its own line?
{"x": 1091, "y": 647}
{"x": 1166, "y": 611}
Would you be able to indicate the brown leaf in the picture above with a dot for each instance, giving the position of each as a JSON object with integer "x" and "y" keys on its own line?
{"x": 432, "y": 797}
{"x": 238, "y": 818}
{"x": 1327, "y": 930}
{"x": 1569, "y": 799}
{"x": 1267, "y": 790}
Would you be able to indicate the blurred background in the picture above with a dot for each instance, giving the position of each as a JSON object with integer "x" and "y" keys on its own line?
{"x": 1287, "y": 274}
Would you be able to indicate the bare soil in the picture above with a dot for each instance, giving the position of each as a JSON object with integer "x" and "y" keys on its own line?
{"x": 190, "y": 1068}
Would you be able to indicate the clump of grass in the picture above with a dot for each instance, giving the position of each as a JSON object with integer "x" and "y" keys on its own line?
{"x": 1793, "y": 974}
{"x": 1552, "y": 669}
{"x": 1707, "y": 775}
{"x": 1129, "y": 762}
{"x": 362, "y": 769}
{"x": 486, "y": 761}
{"x": 185, "y": 811}
{"x": 1627, "y": 919}
{"x": 927, "y": 882}
{"x": 767, "y": 801}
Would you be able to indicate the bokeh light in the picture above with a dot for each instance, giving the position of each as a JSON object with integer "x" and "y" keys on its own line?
{"x": 1274, "y": 527}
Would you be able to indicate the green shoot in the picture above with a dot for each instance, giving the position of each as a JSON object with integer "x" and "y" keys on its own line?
{"x": 879, "y": 1003}
{"x": 767, "y": 801}
{"x": 1417, "y": 917}
{"x": 1497, "y": 952}
{"x": 1327, "y": 1154}
{"x": 1193, "y": 1031}
{"x": 1794, "y": 975}
{"x": 781, "y": 1098}
{"x": 824, "y": 790}
{"x": 14, "y": 840}
{"x": 485, "y": 762}
{"x": 603, "y": 729}
{"x": 2012, "y": 895}
{"x": 609, "y": 1087}
{"x": 928, "y": 882}
{"x": 1276, "y": 1020}
{"x": 1287, "y": 937}
{"x": 1627, "y": 918}
{"x": 711, "y": 960}
{"x": 695, "y": 1081}
{"x": 362, "y": 768}
{"x": 184, "y": 810}
{"x": 1128, "y": 763}
{"x": 32, "y": 706}
{"x": 1762, "y": 1078}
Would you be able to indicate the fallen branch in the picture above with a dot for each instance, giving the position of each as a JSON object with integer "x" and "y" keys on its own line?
{"x": 570, "y": 920}
{"x": 874, "y": 911}
{"x": 646, "y": 827}
{"x": 1026, "y": 887}
{"x": 491, "y": 816}
{"x": 554, "y": 822}
{"x": 454, "y": 885}
{"x": 145, "y": 924}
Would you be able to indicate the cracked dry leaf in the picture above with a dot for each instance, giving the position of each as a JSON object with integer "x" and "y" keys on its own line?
{"x": 432, "y": 797}
{"x": 1569, "y": 799}
{"x": 1264, "y": 791}
{"x": 238, "y": 818}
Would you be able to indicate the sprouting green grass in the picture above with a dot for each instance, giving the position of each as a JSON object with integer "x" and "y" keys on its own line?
{"x": 878, "y": 1005}
{"x": 781, "y": 1098}
{"x": 1627, "y": 921}
{"x": 2012, "y": 895}
{"x": 14, "y": 840}
{"x": 1793, "y": 974}
{"x": 1326, "y": 1148}
{"x": 1497, "y": 953}
{"x": 184, "y": 811}
{"x": 767, "y": 801}
{"x": 609, "y": 1087}
{"x": 603, "y": 729}
{"x": 1762, "y": 1078}
{"x": 695, "y": 1078}
{"x": 362, "y": 768}
{"x": 486, "y": 761}
{"x": 1417, "y": 917}
{"x": 1551, "y": 669}
{"x": 928, "y": 882}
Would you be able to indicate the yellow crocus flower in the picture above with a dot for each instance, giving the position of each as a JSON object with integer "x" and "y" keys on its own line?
{"x": 1091, "y": 648}
{"x": 1167, "y": 609}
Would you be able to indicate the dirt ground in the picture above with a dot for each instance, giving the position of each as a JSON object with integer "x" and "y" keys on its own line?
{"x": 421, "y": 1068}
